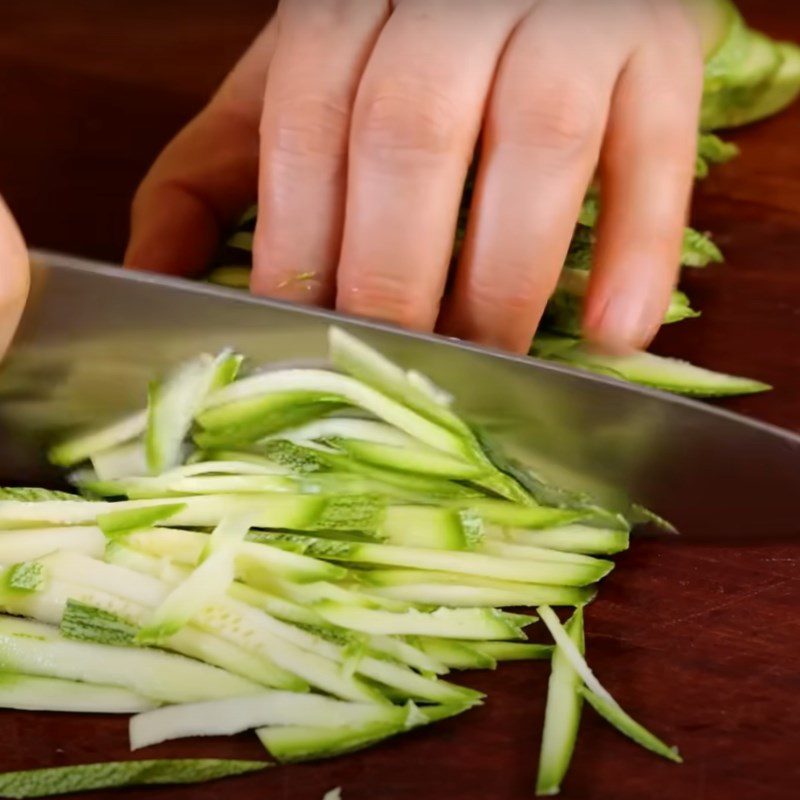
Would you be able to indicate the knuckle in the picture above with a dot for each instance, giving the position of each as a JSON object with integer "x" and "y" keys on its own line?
{"x": 389, "y": 298}
{"x": 402, "y": 122}
{"x": 556, "y": 118}
{"x": 515, "y": 297}
{"x": 307, "y": 127}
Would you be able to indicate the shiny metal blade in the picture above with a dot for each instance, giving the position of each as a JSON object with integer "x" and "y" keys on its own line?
{"x": 92, "y": 337}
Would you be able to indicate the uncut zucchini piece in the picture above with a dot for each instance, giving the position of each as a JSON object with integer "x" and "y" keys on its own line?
{"x": 562, "y": 713}
{"x": 726, "y": 104}
{"x": 461, "y": 623}
{"x": 228, "y": 717}
{"x": 647, "y": 369}
{"x": 298, "y": 743}
{"x": 776, "y": 94}
{"x": 599, "y": 697}
{"x": 35, "y": 693}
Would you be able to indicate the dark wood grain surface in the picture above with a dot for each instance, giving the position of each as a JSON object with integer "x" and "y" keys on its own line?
{"x": 701, "y": 643}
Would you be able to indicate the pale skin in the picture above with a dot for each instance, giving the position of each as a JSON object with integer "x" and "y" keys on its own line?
{"x": 352, "y": 123}
{"x": 14, "y": 276}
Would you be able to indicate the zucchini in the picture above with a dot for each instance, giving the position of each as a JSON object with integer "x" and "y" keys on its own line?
{"x": 512, "y": 550}
{"x": 116, "y": 774}
{"x": 351, "y": 391}
{"x": 173, "y": 404}
{"x": 289, "y": 744}
{"x": 34, "y": 693}
{"x": 78, "y": 448}
{"x": 562, "y": 713}
{"x": 647, "y": 369}
{"x": 628, "y": 726}
{"x": 415, "y": 460}
{"x": 122, "y": 461}
{"x": 597, "y": 696}
{"x": 461, "y": 623}
{"x": 143, "y": 488}
{"x": 457, "y": 654}
{"x": 227, "y": 717}
{"x": 454, "y": 590}
{"x": 514, "y": 651}
{"x": 407, "y": 652}
{"x": 412, "y": 389}
{"x": 424, "y": 526}
{"x": 353, "y": 428}
{"x": 252, "y": 560}
{"x": 572, "y": 539}
{"x": 463, "y": 563}
{"x": 313, "y": 652}
{"x": 256, "y": 418}
{"x": 257, "y": 632}
{"x": 164, "y": 677}
{"x": 34, "y": 543}
{"x": 502, "y": 512}
{"x": 780, "y": 91}
{"x": 212, "y": 579}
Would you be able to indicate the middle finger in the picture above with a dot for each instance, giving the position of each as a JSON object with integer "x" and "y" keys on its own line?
{"x": 415, "y": 124}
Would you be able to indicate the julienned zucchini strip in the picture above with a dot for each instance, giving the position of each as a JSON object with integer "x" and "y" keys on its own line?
{"x": 317, "y": 578}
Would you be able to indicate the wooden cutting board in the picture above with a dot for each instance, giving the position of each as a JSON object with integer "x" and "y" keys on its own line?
{"x": 703, "y": 644}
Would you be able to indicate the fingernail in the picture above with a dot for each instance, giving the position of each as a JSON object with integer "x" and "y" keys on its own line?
{"x": 620, "y": 325}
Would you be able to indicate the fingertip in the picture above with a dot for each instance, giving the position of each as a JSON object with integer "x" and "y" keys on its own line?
{"x": 172, "y": 232}
{"x": 623, "y": 322}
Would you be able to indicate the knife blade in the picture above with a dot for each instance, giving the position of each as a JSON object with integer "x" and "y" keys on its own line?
{"x": 92, "y": 337}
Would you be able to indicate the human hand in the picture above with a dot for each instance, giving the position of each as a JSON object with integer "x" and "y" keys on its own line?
{"x": 354, "y": 122}
{"x": 14, "y": 276}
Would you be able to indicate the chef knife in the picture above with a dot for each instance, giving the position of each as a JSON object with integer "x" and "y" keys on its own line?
{"x": 92, "y": 336}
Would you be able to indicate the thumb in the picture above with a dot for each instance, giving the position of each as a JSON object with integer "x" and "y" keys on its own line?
{"x": 14, "y": 276}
